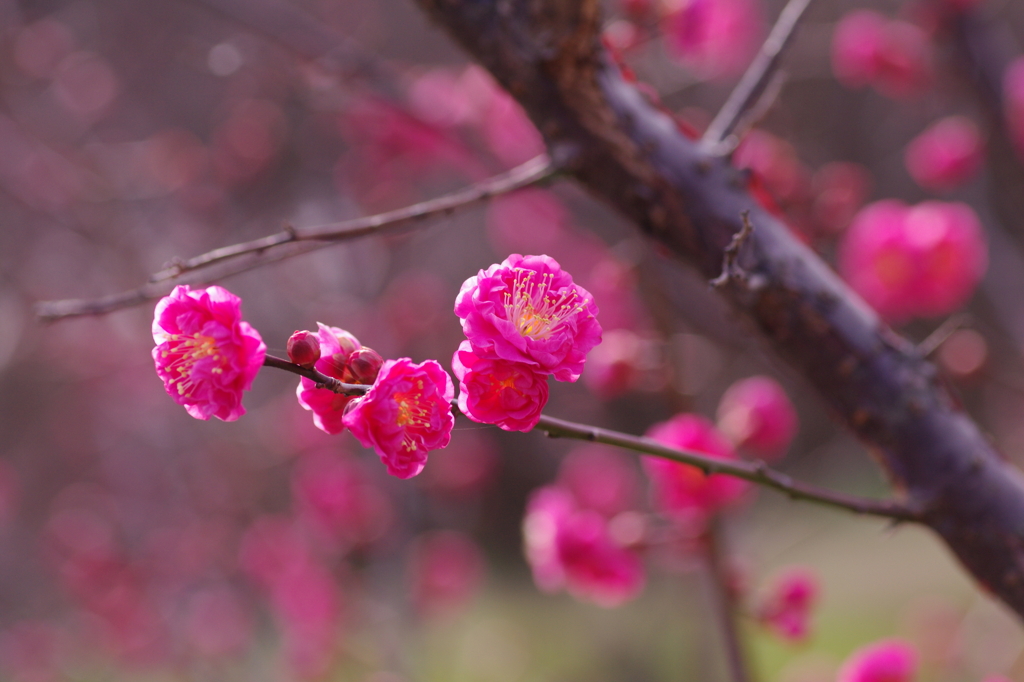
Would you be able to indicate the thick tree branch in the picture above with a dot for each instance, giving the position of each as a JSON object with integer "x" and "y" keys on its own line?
{"x": 631, "y": 155}
{"x": 229, "y": 260}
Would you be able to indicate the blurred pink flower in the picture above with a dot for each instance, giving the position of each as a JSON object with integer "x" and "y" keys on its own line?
{"x": 600, "y": 478}
{"x": 307, "y": 605}
{"x": 715, "y": 38}
{"x": 1013, "y": 102}
{"x": 923, "y": 260}
{"x": 527, "y": 309}
{"x": 888, "y": 660}
{"x": 335, "y": 496}
{"x": 756, "y": 415}
{"x": 777, "y": 166}
{"x": 405, "y": 414}
{"x": 445, "y": 570}
{"x": 336, "y": 347}
{"x": 469, "y": 464}
{"x": 893, "y": 56}
{"x": 684, "y": 489}
{"x": 508, "y": 394}
{"x": 572, "y": 549}
{"x": 786, "y": 609}
{"x": 205, "y": 354}
{"x": 947, "y": 154}
{"x": 509, "y": 132}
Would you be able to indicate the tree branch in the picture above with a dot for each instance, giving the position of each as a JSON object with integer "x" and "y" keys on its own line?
{"x": 294, "y": 242}
{"x": 755, "y": 472}
{"x": 757, "y": 77}
{"x": 631, "y": 155}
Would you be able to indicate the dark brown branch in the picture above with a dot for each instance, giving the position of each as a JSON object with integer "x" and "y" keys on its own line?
{"x": 755, "y": 472}
{"x": 723, "y": 601}
{"x": 757, "y": 77}
{"x": 630, "y": 154}
{"x": 230, "y": 260}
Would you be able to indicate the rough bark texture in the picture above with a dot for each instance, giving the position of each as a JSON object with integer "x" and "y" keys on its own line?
{"x": 631, "y": 155}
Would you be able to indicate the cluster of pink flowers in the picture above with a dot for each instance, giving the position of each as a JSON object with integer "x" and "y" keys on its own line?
{"x": 206, "y": 354}
{"x": 524, "y": 319}
{"x": 715, "y": 38}
{"x": 891, "y": 55}
{"x": 917, "y": 261}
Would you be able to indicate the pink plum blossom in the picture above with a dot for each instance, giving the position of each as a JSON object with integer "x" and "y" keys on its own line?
{"x": 891, "y": 55}
{"x": 572, "y": 549}
{"x": 528, "y": 310}
{"x": 888, "y": 660}
{"x": 682, "y": 489}
{"x": 303, "y": 348}
{"x": 1013, "y": 103}
{"x": 947, "y": 154}
{"x": 493, "y": 391}
{"x": 205, "y": 354}
{"x": 336, "y": 346}
{"x": 405, "y": 414}
{"x": 923, "y": 260}
{"x": 716, "y": 38}
{"x": 755, "y": 414}
{"x": 786, "y": 609}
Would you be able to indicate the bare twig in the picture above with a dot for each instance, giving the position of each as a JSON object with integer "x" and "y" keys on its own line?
{"x": 532, "y": 172}
{"x": 230, "y": 260}
{"x": 321, "y": 379}
{"x": 730, "y": 270}
{"x": 757, "y": 77}
{"x": 755, "y": 472}
{"x": 950, "y": 326}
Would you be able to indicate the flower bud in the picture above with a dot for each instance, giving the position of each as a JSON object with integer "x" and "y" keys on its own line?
{"x": 349, "y": 344}
{"x": 365, "y": 364}
{"x": 304, "y": 348}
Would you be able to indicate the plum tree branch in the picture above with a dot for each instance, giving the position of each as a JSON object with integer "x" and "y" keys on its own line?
{"x": 757, "y": 78}
{"x": 219, "y": 263}
{"x": 755, "y": 472}
{"x": 631, "y": 155}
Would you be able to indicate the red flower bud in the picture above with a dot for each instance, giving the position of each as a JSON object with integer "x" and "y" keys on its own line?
{"x": 304, "y": 349}
{"x": 365, "y": 364}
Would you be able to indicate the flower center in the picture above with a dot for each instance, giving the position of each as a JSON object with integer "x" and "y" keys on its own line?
{"x": 413, "y": 413}
{"x": 182, "y": 355}
{"x": 536, "y": 310}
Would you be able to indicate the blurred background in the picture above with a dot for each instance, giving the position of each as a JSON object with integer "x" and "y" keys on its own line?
{"x": 137, "y": 543}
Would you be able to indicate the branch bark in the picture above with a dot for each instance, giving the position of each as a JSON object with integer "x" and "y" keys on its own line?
{"x": 631, "y": 154}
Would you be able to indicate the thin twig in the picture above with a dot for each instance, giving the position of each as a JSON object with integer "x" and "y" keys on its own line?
{"x": 321, "y": 379}
{"x": 230, "y": 260}
{"x": 723, "y": 601}
{"x": 532, "y": 172}
{"x": 949, "y": 327}
{"x": 730, "y": 270}
{"x": 755, "y": 472}
{"x": 757, "y": 76}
